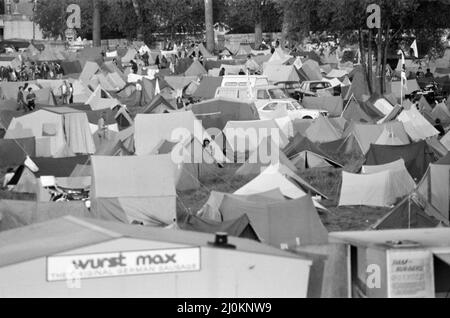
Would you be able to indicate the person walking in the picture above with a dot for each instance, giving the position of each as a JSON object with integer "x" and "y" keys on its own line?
{"x": 65, "y": 92}
{"x": 21, "y": 99}
{"x": 31, "y": 99}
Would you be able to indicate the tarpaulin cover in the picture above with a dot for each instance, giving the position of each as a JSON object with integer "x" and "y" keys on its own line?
{"x": 16, "y": 214}
{"x": 216, "y": 113}
{"x": 281, "y": 222}
{"x": 417, "y": 157}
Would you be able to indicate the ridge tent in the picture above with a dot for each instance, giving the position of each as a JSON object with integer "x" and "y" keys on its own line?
{"x": 180, "y": 82}
{"x": 158, "y": 105}
{"x": 442, "y": 113}
{"x": 207, "y": 88}
{"x": 81, "y": 92}
{"x": 446, "y": 141}
{"x": 332, "y": 104}
{"x": 279, "y": 223}
{"x": 367, "y": 134}
{"x": 240, "y": 227}
{"x": 384, "y": 106}
{"x": 210, "y": 211}
{"x": 15, "y": 214}
{"x": 312, "y": 70}
{"x": 435, "y": 186}
{"x": 89, "y": 70}
{"x": 101, "y": 80}
{"x": 354, "y": 112}
{"x": 98, "y": 102}
{"x": 389, "y": 138}
{"x": 359, "y": 86}
{"x": 416, "y": 126}
{"x": 216, "y": 113}
{"x": 46, "y": 127}
{"x": 248, "y": 134}
{"x": 337, "y": 74}
{"x": 13, "y": 152}
{"x": 279, "y": 57}
{"x": 127, "y": 189}
{"x": 380, "y": 187}
{"x": 116, "y": 80}
{"x": 409, "y": 214}
{"x": 281, "y": 73}
{"x": 321, "y": 130}
{"x": 279, "y": 177}
{"x": 417, "y": 157}
{"x": 196, "y": 69}
{"x": 152, "y": 130}
{"x": 268, "y": 153}
{"x": 308, "y": 160}
{"x": 129, "y": 55}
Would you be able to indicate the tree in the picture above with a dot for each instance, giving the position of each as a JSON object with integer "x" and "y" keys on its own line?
{"x": 96, "y": 24}
{"x": 140, "y": 30}
{"x": 209, "y": 24}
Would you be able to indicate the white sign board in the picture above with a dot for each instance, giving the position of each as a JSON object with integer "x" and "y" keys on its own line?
{"x": 410, "y": 274}
{"x": 69, "y": 267}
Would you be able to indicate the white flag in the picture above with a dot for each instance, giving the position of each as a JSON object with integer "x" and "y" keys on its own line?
{"x": 403, "y": 73}
{"x": 415, "y": 49}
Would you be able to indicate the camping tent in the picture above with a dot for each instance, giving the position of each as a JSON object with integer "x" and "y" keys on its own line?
{"x": 411, "y": 213}
{"x": 128, "y": 189}
{"x": 207, "y": 88}
{"x": 397, "y": 89}
{"x": 98, "y": 102}
{"x": 378, "y": 186}
{"x": 417, "y": 157}
{"x": 280, "y": 222}
{"x": 151, "y": 131}
{"x": 322, "y": 130}
{"x": 15, "y": 214}
{"x": 58, "y": 132}
{"x": 354, "y": 112}
{"x": 281, "y": 73}
{"x": 417, "y": 127}
{"x": 367, "y": 134}
{"x": 196, "y": 69}
{"x": 14, "y": 151}
{"x": 312, "y": 70}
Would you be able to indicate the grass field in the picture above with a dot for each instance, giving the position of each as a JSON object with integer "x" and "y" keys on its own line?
{"x": 326, "y": 180}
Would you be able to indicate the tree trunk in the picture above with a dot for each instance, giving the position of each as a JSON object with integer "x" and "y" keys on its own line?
{"x": 379, "y": 85}
{"x": 258, "y": 34}
{"x": 387, "y": 41}
{"x": 140, "y": 30}
{"x": 370, "y": 63}
{"x": 286, "y": 24}
{"x": 209, "y": 23}
{"x": 96, "y": 25}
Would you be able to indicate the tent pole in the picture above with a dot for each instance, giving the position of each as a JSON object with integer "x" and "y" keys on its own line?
{"x": 409, "y": 212}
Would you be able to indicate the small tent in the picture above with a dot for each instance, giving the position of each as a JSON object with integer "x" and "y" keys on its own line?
{"x": 332, "y": 104}
{"x": 322, "y": 130}
{"x": 127, "y": 189}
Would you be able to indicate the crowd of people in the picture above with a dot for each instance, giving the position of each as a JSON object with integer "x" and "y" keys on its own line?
{"x": 31, "y": 71}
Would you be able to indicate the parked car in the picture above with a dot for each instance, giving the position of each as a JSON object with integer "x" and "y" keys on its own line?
{"x": 260, "y": 95}
{"x": 312, "y": 88}
{"x": 292, "y": 89}
{"x": 289, "y": 107}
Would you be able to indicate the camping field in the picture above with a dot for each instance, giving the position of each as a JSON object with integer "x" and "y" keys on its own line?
{"x": 326, "y": 180}
{"x": 225, "y": 180}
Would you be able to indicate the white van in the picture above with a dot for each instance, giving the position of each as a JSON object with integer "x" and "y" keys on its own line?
{"x": 244, "y": 80}
{"x": 259, "y": 95}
